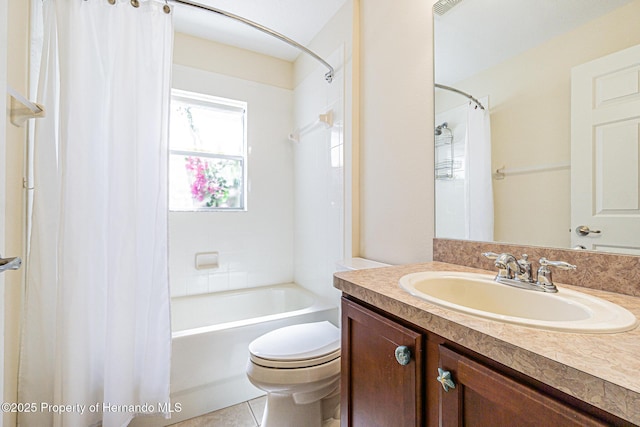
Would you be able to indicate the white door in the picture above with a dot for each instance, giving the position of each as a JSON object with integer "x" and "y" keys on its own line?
{"x": 605, "y": 149}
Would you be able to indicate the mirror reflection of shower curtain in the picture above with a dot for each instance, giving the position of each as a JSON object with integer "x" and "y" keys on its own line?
{"x": 478, "y": 182}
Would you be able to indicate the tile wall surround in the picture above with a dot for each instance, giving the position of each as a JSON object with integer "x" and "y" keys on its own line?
{"x": 596, "y": 270}
{"x": 255, "y": 247}
{"x": 293, "y": 230}
{"x": 245, "y": 259}
{"x": 319, "y": 177}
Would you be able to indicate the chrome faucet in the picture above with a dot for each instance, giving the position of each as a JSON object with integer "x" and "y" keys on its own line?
{"x": 508, "y": 266}
{"x": 519, "y": 273}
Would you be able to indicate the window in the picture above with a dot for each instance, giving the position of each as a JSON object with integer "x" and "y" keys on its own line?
{"x": 207, "y": 153}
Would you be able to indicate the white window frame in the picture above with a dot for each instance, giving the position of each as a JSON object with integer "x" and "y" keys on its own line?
{"x": 195, "y": 98}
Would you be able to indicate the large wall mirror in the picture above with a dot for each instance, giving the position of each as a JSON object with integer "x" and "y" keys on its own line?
{"x": 553, "y": 158}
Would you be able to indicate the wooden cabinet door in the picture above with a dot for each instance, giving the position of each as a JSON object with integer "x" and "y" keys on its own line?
{"x": 377, "y": 391}
{"x": 484, "y": 397}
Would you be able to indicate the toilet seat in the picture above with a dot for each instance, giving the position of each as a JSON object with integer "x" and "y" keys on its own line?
{"x": 292, "y": 364}
{"x": 297, "y": 346}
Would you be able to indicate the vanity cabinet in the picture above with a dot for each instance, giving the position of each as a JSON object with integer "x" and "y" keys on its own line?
{"x": 376, "y": 389}
{"x": 379, "y": 391}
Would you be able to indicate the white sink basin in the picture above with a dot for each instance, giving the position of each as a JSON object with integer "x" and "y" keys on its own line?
{"x": 480, "y": 295}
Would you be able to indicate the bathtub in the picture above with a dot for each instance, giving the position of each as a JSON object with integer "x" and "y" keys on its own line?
{"x": 211, "y": 335}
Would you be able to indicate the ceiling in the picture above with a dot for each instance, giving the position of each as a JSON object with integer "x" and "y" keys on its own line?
{"x": 470, "y": 37}
{"x": 299, "y": 20}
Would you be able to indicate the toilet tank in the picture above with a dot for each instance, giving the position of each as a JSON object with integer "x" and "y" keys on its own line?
{"x": 358, "y": 264}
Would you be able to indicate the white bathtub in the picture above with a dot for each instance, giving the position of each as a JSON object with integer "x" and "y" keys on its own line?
{"x": 211, "y": 334}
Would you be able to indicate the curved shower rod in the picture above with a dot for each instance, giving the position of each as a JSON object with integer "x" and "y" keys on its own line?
{"x": 328, "y": 76}
{"x": 453, "y": 89}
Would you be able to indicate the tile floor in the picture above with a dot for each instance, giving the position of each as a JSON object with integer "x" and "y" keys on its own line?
{"x": 246, "y": 414}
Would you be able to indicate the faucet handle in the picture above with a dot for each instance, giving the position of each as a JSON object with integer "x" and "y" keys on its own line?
{"x": 490, "y": 255}
{"x": 557, "y": 264}
{"x": 544, "y": 273}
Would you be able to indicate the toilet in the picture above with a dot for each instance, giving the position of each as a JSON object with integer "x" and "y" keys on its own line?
{"x": 298, "y": 367}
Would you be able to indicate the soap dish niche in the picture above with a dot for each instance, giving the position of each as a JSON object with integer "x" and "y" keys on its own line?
{"x": 207, "y": 261}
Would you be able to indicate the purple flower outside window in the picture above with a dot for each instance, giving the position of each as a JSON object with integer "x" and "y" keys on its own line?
{"x": 208, "y": 185}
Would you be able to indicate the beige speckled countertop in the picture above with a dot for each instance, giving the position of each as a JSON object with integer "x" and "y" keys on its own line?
{"x": 601, "y": 369}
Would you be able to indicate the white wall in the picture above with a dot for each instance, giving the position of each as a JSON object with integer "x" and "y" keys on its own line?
{"x": 231, "y": 61}
{"x": 396, "y": 127}
{"x": 255, "y": 247}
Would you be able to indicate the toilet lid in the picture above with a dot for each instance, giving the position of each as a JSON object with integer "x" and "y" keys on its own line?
{"x": 297, "y": 342}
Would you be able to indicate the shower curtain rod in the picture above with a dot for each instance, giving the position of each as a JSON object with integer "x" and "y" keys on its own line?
{"x": 453, "y": 89}
{"x": 328, "y": 76}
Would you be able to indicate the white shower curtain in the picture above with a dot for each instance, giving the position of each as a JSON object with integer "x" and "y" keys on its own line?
{"x": 478, "y": 182}
{"x": 96, "y": 333}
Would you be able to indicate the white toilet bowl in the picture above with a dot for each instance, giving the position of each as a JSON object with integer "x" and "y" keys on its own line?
{"x": 299, "y": 368}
